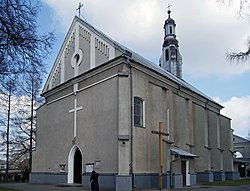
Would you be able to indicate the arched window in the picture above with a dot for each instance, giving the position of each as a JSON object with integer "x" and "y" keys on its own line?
{"x": 176, "y": 55}
{"x": 138, "y": 112}
{"x": 170, "y": 29}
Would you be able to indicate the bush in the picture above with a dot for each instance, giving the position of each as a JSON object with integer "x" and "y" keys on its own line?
{"x": 17, "y": 178}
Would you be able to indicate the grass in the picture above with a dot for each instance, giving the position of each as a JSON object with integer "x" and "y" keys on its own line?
{"x": 8, "y": 189}
{"x": 228, "y": 183}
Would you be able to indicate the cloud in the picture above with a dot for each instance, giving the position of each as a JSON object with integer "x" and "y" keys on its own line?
{"x": 205, "y": 31}
{"x": 238, "y": 109}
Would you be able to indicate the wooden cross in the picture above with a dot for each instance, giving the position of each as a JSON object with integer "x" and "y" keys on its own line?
{"x": 160, "y": 133}
{"x": 75, "y": 113}
{"x": 79, "y": 8}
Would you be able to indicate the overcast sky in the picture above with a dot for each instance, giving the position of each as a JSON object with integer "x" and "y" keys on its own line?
{"x": 205, "y": 29}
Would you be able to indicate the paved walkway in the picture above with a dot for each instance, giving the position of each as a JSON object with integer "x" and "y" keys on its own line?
{"x": 35, "y": 187}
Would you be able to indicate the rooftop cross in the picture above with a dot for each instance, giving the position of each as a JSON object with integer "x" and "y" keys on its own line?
{"x": 169, "y": 11}
{"x": 169, "y": 6}
{"x": 79, "y": 8}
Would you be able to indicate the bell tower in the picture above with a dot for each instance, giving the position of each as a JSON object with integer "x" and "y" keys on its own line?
{"x": 171, "y": 59}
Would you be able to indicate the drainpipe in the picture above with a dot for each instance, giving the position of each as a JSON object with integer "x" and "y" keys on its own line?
{"x": 128, "y": 55}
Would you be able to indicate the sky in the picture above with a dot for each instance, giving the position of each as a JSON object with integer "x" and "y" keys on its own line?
{"x": 206, "y": 31}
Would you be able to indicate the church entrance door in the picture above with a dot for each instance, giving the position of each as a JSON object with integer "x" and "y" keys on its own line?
{"x": 78, "y": 167}
{"x": 185, "y": 173}
{"x": 75, "y": 165}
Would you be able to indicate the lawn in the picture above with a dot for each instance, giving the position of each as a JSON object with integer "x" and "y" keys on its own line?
{"x": 228, "y": 183}
{"x": 8, "y": 189}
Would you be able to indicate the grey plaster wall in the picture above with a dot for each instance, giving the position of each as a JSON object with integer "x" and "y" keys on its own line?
{"x": 214, "y": 141}
{"x": 69, "y": 71}
{"x": 226, "y": 144}
{"x": 201, "y": 163}
{"x": 97, "y": 135}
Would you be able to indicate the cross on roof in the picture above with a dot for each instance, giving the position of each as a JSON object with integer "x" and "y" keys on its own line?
{"x": 79, "y": 8}
{"x": 169, "y": 6}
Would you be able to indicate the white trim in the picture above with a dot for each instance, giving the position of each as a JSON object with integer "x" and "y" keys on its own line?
{"x": 71, "y": 163}
{"x": 187, "y": 174}
{"x": 62, "y": 68}
{"x": 143, "y": 113}
{"x": 75, "y": 65}
{"x": 89, "y": 86}
{"x": 92, "y": 50}
{"x": 77, "y": 36}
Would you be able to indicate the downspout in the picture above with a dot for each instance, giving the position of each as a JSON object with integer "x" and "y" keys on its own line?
{"x": 128, "y": 55}
{"x": 132, "y": 135}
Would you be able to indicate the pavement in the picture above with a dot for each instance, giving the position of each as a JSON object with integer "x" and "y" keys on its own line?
{"x": 36, "y": 187}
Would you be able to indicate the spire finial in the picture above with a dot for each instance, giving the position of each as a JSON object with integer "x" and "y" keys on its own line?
{"x": 79, "y": 8}
{"x": 169, "y": 11}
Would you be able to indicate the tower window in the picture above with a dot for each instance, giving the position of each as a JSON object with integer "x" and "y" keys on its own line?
{"x": 176, "y": 55}
{"x": 170, "y": 29}
{"x": 167, "y": 55}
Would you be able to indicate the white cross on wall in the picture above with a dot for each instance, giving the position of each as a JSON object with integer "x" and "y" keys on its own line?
{"x": 75, "y": 113}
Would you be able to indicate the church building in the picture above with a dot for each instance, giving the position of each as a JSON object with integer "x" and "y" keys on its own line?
{"x": 107, "y": 107}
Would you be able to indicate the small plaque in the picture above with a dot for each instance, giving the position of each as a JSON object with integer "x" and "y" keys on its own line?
{"x": 62, "y": 168}
{"x": 89, "y": 167}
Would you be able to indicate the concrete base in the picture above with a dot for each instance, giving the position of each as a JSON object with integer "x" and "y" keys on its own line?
{"x": 106, "y": 180}
{"x": 205, "y": 177}
{"x": 219, "y": 176}
{"x": 47, "y": 178}
{"x": 151, "y": 181}
{"x": 193, "y": 179}
{"x": 177, "y": 181}
{"x": 113, "y": 181}
{"x": 123, "y": 183}
{"x": 232, "y": 175}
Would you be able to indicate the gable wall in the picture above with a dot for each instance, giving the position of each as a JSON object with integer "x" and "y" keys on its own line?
{"x": 92, "y": 47}
{"x": 97, "y": 123}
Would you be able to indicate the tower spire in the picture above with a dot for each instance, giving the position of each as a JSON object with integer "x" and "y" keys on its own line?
{"x": 171, "y": 59}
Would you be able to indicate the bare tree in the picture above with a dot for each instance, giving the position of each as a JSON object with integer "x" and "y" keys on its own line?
{"x": 243, "y": 10}
{"x": 19, "y": 37}
{"x": 6, "y": 99}
{"x": 22, "y": 50}
{"x": 33, "y": 84}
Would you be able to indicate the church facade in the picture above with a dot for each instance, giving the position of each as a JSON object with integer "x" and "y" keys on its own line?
{"x": 102, "y": 103}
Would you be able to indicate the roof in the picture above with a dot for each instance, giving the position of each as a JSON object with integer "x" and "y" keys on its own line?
{"x": 239, "y": 139}
{"x": 138, "y": 58}
{"x": 178, "y": 151}
{"x": 240, "y": 161}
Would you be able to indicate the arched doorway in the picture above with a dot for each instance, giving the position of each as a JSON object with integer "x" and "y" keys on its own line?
{"x": 78, "y": 167}
{"x": 75, "y": 165}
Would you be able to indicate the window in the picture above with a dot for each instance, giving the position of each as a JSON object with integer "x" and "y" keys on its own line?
{"x": 170, "y": 29}
{"x": 176, "y": 55}
{"x": 167, "y": 54}
{"x": 138, "y": 112}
